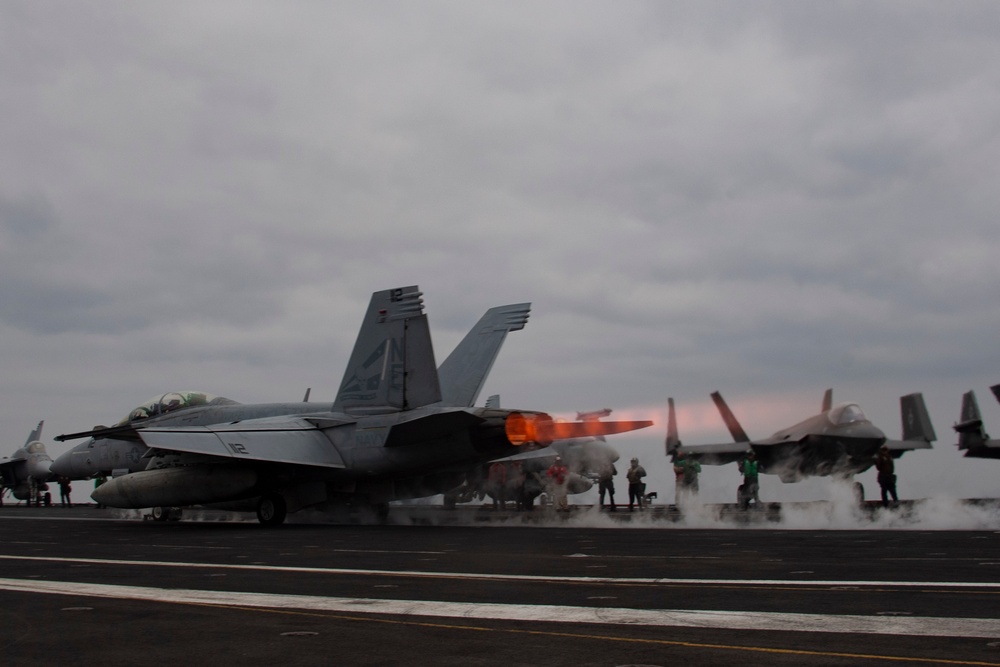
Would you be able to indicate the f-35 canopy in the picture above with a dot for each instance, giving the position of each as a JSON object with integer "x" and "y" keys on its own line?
{"x": 846, "y": 413}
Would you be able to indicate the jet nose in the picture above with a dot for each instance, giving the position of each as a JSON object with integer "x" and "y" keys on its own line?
{"x": 865, "y": 430}
{"x": 64, "y": 466}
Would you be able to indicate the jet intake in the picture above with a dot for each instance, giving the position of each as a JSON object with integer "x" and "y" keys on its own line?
{"x": 176, "y": 487}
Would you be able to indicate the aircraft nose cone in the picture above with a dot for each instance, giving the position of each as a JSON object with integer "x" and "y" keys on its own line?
{"x": 44, "y": 471}
{"x": 65, "y": 466}
{"x": 867, "y": 431}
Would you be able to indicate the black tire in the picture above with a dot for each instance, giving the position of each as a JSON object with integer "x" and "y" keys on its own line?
{"x": 271, "y": 509}
{"x": 160, "y": 513}
{"x": 859, "y": 493}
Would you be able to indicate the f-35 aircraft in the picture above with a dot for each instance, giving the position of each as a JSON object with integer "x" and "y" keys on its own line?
{"x": 27, "y": 472}
{"x": 386, "y": 437}
{"x": 838, "y": 442}
{"x": 972, "y": 437}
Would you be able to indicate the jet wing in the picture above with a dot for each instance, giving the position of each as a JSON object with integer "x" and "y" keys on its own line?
{"x": 298, "y": 440}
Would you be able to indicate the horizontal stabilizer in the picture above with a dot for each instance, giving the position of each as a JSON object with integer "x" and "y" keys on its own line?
{"x": 278, "y": 440}
{"x": 996, "y": 391}
{"x": 739, "y": 435}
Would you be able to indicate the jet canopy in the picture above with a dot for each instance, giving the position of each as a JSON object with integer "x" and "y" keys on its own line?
{"x": 171, "y": 402}
{"x": 847, "y": 413}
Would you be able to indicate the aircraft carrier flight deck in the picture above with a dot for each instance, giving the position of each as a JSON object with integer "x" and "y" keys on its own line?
{"x": 476, "y": 587}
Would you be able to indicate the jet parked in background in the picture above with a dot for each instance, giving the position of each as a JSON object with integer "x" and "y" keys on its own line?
{"x": 837, "y": 442}
{"x": 27, "y": 472}
{"x": 386, "y": 437}
{"x": 972, "y": 437}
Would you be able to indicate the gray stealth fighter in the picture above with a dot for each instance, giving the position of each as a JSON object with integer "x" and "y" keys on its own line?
{"x": 27, "y": 471}
{"x": 838, "y": 442}
{"x": 119, "y": 450}
{"x": 972, "y": 437}
{"x": 387, "y": 436}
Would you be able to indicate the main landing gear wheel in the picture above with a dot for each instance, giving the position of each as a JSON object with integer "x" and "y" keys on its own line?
{"x": 271, "y": 510}
{"x": 160, "y": 513}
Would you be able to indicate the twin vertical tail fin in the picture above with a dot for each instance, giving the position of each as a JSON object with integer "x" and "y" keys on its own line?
{"x": 917, "y": 425}
{"x": 392, "y": 366}
{"x": 464, "y": 372}
{"x": 673, "y": 442}
{"x": 970, "y": 429}
{"x": 739, "y": 435}
{"x": 36, "y": 434}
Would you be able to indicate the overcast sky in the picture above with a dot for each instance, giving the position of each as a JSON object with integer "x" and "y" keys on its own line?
{"x": 762, "y": 198}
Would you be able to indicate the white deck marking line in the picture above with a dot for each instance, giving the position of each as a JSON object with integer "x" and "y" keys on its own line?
{"x": 992, "y": 585}
{"x": 729, "y": 620}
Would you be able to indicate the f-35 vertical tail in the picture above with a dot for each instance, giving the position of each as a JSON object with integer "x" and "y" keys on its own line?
{"x": 918, "y": 432}
{"x": 739, "y": 435}
{"x": 971, "y": 434}
{"x": 673, "y": 442}
{"x": 917, "y": 425}
{"x": 392, "y": 366}
{"x": 464, "y": 372}
{"x": 827, "y": 401}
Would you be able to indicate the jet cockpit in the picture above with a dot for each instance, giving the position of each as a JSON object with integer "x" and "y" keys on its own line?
{"x": 171, "y": 402}
{"x": 846, "y": 413}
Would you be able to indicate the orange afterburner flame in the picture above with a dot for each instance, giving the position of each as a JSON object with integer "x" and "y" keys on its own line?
{"x": 541, "y": 429}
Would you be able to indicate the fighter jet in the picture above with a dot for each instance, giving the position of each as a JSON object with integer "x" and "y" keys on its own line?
{"x": 972, "y": 437}
{"x": 386, "y": 437}
{"x": 838, "y": 442}
{"x": 118, "y": 450}
{"x": 27, "y": 472}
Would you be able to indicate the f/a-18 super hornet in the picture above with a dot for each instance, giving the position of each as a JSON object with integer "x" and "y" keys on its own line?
{"x": 840, "y": 441}
{"x": 386, "y": 437}
{"x": 115, "y": 451}
{"x": 27, "y": 472}
{"x": 972, "y": 437}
